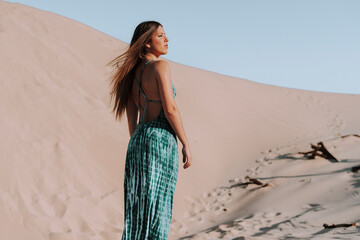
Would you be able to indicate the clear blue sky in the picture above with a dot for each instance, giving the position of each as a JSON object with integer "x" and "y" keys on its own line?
{"x": 304, "y": 44}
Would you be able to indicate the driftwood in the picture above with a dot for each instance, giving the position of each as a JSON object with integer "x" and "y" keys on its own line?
{"x": 319, "y": 150}
{"x": 339, "y": 225}
{"x": 355, "y": 169}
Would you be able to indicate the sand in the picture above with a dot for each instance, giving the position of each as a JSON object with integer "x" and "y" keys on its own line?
{"x": 63, "y": 154}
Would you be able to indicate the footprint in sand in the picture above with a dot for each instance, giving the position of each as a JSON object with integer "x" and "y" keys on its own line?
{"x": 52, "y": 205}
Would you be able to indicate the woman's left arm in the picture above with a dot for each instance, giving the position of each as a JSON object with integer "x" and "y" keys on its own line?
{"x": 132, "y": 116}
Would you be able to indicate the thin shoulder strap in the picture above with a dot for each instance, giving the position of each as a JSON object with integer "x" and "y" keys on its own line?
{"x": 140, "y": 90}
{"x": 139, "y": 83}
{"x": 143, "y": 69}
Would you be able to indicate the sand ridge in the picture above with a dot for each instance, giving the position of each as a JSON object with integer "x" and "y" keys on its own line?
{"x": 63, "y": 153}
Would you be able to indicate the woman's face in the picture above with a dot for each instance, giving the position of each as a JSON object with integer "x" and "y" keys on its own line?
{"x": 158, "y": 44}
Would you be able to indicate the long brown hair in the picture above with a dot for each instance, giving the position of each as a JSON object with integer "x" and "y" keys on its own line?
{"x": 122, "y": 80}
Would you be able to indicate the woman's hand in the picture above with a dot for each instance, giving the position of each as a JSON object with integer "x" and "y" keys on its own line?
{"x": 187, "y": 157}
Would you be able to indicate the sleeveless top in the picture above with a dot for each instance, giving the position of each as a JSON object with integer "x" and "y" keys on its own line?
{"x": 143, "y": 93}
{"x": 160, "y": 121}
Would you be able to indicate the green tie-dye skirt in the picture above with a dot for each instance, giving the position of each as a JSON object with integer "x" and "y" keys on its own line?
{"x": 151, "y": 171}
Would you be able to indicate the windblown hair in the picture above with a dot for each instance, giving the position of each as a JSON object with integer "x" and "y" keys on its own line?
{"x": 127, "y": 63}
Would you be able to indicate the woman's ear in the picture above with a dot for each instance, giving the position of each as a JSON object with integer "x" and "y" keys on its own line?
{"x": 147, "y": 45}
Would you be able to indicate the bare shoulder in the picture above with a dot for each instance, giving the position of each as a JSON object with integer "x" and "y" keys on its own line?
{"x": 161, "y": 66}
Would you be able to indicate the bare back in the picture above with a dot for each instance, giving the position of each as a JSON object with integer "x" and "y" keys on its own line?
{"x": 150, "y": 88}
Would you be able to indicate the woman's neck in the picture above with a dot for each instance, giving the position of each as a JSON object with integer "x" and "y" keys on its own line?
{"x": 151, "y": 56}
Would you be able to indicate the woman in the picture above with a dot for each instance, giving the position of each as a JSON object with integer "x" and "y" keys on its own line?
{"x": 151, "y": 167}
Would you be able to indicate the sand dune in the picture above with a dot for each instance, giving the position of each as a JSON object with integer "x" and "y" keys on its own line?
{"x": 63, "y": 153}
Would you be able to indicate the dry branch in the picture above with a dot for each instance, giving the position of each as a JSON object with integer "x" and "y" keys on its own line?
{"x": 355, "y": 169}
{"x": 339, "y": 225}
{"x": 319, "y": 150}
{"x": 255, "y": 181}
{"x": 355, "y": 135}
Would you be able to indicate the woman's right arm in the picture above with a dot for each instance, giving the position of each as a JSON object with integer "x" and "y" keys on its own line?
{"x": 171, "y": 110}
